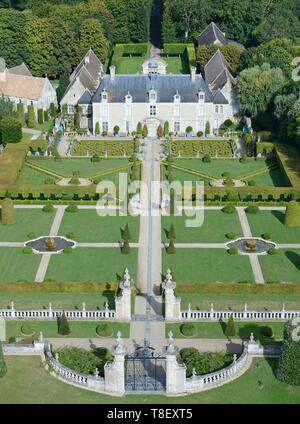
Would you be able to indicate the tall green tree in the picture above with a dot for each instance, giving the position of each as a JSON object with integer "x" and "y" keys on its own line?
{"x": 288, "y": 369}
{"x": 168, "y": 27}
{"x": 91, "y": 35}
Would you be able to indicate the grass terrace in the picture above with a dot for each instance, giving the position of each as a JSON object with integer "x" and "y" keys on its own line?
{"x": 283, "y": 267}
{"x": 15, "y": 266}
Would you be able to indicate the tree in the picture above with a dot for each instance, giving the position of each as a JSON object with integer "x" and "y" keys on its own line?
{"x": 20, "y": 113}
{"x": 53, "y": 110}
{"x": 3, "y": 367}
{"x": 145, "y": 131}
{"x": 171, "y": 232}
{"x": 288, "y": 369}
{"x": 46, "y": 116}
{"x": 91, "y": 35}
{"x": 64, "y": 81}
{"x": 166, "y": 128}
{"x": 171, "y": 250}
{"x": 231, "y": 53}
{"x": 127, "y": 233}
{"x": 11, "y": 130}
{"x": 63, "y": 326}
{"x": 292, "y": 215}
{"x": 172, "y": 201}
{"x": 116, "y": 130}
{"x": 230, "y": 328}
{"x": 97, "y": 128}
{"x": 139, "y": 128}
{"x": 207, "y": 128}
{"x": 168, "y": 27}
{"x": 30, "y": 116}
{"x": 8, "y": 215}
{"x": 125, "y": 247}
{"x": 257, "y": 88}
{"x": 40, "y": 116}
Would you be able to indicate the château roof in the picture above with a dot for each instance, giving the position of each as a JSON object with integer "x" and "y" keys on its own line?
{"x": 212, "y": 35}
{"x": 23, "y": 87}
{"x": 20, "y": 70}
{"x": 217, "y": 72}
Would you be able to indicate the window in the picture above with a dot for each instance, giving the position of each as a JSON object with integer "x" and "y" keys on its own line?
{"x": 152, "y": 96}
{"x": 221, "y": 109}
{"x": 71, "y": 109}
{"x": 217, "y": 109}
{"x": 104, "y": 97}
{"x": 105, "y": 126}
{"x": 176, "y": 126}
{"x": 176, "y": 110}
{"x": 201, "y": 96}
{"x": 152, "y": 110}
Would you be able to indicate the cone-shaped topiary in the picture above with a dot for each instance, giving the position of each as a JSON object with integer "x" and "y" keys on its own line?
{"x": 171, "y": 250}
{"x": 63, "y": 325}
{"x": 171, "y": 232}
{"x": 127, "y": 233}
{"x": 126, "y": 247}
{"x": 8, "y": 216}
{"x": 48, "y": 208}
{"x": 288, "y": 369}
{"x": 292, "y": 215}
{"x": 3, "y": 368}
{"x": 72, "y": 208}
{"x": 230, "y": 328}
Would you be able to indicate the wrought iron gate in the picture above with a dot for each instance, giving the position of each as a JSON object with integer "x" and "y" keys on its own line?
{"x": 145, "y": 371}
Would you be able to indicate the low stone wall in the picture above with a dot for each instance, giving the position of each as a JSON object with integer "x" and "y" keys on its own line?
{"x": 49, "y": 315}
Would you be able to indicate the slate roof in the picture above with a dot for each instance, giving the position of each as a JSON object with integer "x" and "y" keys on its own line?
{"x": 220, "y": 99}
{"x": 211, "y": 35}
{"x": 217, "y": 72}
{"x": 139, "y": 86}
{"x": 85, "y": 99}
{"x": 20, "y": 70}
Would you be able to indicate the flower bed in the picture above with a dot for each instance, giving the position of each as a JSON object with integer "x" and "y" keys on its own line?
{"x": 102, "y": 148}
{"x": 192, "y": 148}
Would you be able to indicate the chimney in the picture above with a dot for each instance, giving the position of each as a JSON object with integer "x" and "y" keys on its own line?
{"x": 193, "y": 73}
{"x": 112, "y": 72}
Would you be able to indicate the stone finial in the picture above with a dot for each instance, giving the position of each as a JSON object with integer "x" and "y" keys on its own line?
{"x": 234, "y": 358}
{"x": 283, "y": 307}
{"x": 246, "y": 307}
{"x": 41, "y": 337}
{"x": 57, "y": 357}
{"x": 12, "y": 306}
{"x": 119, "y": 348}
{"x": 83, "y": 306}
{"x": 96, "y": 373}
{"x": 50, "y": 306}
{"x": 211, "y": 307}
{"x": 170, "y": 338}
{"x": 252, "y": 338}
{"x": 194, "y": 375}
{"x": 189, "y": 307}
{"x": 106, "y": 307}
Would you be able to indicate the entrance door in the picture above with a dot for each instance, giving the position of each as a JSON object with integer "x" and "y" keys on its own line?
{"x": 152, "y": 130}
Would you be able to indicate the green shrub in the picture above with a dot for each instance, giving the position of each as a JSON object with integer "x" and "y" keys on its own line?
{"x": 229, "y": 209}
{"x": 3, "y": 367}
{"x": 75, "y": 179}
{"x": 95, "y": 158}
{"x": 226, "y": 174}
{"x": 233, "y": 251}
{"x": 171, "y": 250}
{"x": 68, "y": 250}
{"x": 230, "y": 328}
{"x": 273, "y": 252}
{"x": 72, "y": 208}
{"x": 171, "y": 232}
{"x": 84, "y": 361}
{"x": 116, "y": 130}
{"x": 266, "y": 236}
{"x": 104, "y": 330}
{"x": 200, "y": 134}
{"x": 292, "y": 215}
{"x": 40, "y": 116}
{"x": 267, "y": 332}
{"x": 49, "y": 181}
{"x": 27, "y": 250}
{"x": 8, "y": 215}
{"x": 229, "y": 182}
{"x": 10, "y": 130}
{"x": 189, "y": 129}
{"x": 203, "y": 362}
{"x": 46, "y": 116}
{"x": 126, "y": 247}
{"x": 27, "y": 330}
{"x": 97, "y": 128}
{"x": 30, "y": 116}
{"x": 251, "y": 183}
{"x": 206, "y": 158}
{"x": 252, "y": 209}
{"x": 188, "y": 330}
{"x": 243, "y": 159}
{"x": 20, "y": 113}
{"x": 231, "y": 236}
{"x": 63, "y": 325}
{"x": 126, "y": 233}
{"x": 207, "y": 128}
{"x": 70, "y": 236}
{"x": 48, "y": 208}
{"x": 288, "y": 369}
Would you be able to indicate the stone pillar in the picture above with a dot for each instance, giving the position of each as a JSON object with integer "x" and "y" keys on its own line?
{"x": 39, "y": 344}
{"x": 114, "y": 372}
{"x": 172, "y": 304}
{"x": 253, "y": 346}
{"x": 123, "y": 303}
{"x": 175, "y": 373}
{"x": 2, "y": 330}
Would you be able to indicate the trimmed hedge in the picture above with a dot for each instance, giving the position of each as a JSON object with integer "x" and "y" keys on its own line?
{"x": 8, "y": 214}
{"x": 229, "y": 209}
{"x": 104, "y": 330}
{"x": 3, "y": 367}
{"x": 27, "y": 330}
{"x": 188, "y": 330}
{"x": 288, "y": 369}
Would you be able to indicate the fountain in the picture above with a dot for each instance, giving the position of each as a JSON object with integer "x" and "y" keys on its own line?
{"x": 50, "y": 244}
{"x": 252, "y": 245}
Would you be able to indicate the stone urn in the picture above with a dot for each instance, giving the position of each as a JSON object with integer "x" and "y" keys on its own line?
{"x": 50, "y": 244}
{"x": 251, "y": 245}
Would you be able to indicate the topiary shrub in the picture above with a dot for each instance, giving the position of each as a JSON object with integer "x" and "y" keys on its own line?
{"x": 68, "y": 250}
{"x": 292, "y": 215}
{"x": 230, "y": 328}
{"x": 27, "y": 250}
{"x": 48, "y": 208}
{"x": 188, "y": 330}
{"x": 229, "y": 209}
{"x": 126, "y": 247}
{"x": 251, "y": 183}
{"x": 72, "y": 208}
{"x": 75, "y": 179}
{"x": 27, "y": 330}
{"x": 127, "y": 233}
{"x": 104, "y": 330}
{"x": 95, "y": 158}
{"x": 70, "y": 236}
{"x": 288, "y": 369}
{"x": 231, "y": 236}
{"x": 243, "y": 159}
{"x": 40, "y": 116}
{"x": 267, "y": 332}
{"x": 233, "y": 251}
{"x": 171, "y": 232}
{"x": 273, "y": 252}
{"x": 8, "y": 215}
{"x": 11, "y": 130}
{"x": 206, "y": 159}
{"x": 266, "y": 236}
{"x": 171, "y": 250}
{"x": 3, "y": 367}
{"x": 63, "y": 325}
{"x": 226, "y": 174}
{"x": 49, "y": 181}
{"x": 252, "y": 209}
{"x": 228, "y": 182}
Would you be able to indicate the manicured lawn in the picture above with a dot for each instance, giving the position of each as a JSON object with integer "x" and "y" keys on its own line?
{"x": 27, "y": 221}
{"x": 177, "y": 65}
{"x": 283, "y": 267}
{"x": 91, "y": 265}
{"x": 27, "y": 136}
{"x": 215, "y": 330}
{"x": 59, "y": 300}
{"x": 80, "y": 330}
{"x": 45, "y": 127}
{"x": 214, "y": 229}
{"x": 66, "y": 167}
{"x": 218, "y": 166}
{"x": 130, "y": 65}
{"x": 185, "y": 176}
{"x": 272, "y": 222}
{"x": 207, "y": 265}
{"x": 30, "y": 176}
{"x": 237, "y": 301}
{"x": 270, "y": 179}
{"x": 16, "y": 266}
{"x": 24, "y": 372}
{"x": 88, "y": 226}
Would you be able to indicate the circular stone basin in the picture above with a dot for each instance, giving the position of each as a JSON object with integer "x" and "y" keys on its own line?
{"x": 50, "y": 244}
{"x": 252, "y": 245}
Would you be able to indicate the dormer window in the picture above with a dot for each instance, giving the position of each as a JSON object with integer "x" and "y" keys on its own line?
{"x": 104, "y": 97}
{"x": 128, "y": 98}
{"x": 201, "y": 97}
{"x": 152, "y": 96}
{"x": 177, "y": 98}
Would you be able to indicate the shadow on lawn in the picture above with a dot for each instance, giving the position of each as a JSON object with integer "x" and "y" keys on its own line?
{"x": 294, "y": 258}
{"x": 279, "y": 215}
